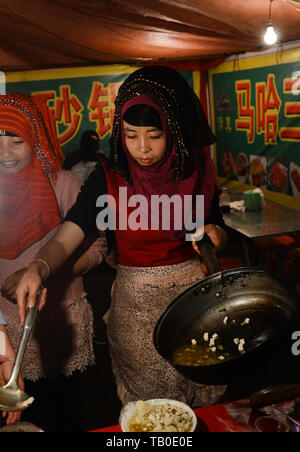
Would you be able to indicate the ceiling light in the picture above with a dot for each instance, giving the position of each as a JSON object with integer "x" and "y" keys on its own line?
{"x": 270, "y": 36}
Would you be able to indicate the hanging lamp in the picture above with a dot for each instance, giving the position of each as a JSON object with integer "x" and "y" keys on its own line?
{"x": 270, "y": 36}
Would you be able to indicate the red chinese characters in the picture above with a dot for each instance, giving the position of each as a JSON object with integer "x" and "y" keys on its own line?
{"x": 101, "y": 106}
{"x": 268, "y": 105}
{"x": 66, "y": 110}
{"x": 263, "y": 118}
{"x": 292, "y": 109}
{"x": 246, "y": 112}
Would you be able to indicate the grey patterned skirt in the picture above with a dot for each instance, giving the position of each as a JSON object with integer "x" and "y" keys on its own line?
{"x": 61, "y": 341}
{"x": 139, "y": 296}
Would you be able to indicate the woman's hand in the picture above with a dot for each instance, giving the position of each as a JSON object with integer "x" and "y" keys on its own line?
{"x": 27, "y": 290}
{"x": 6, "y": 367}
{"x": 216, "y": 234}
{"x": 10, "y": 285}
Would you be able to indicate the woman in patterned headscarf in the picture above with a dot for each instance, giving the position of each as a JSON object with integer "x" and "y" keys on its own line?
{"x": 157, "y": 148}
{"x": 35, "y": 195}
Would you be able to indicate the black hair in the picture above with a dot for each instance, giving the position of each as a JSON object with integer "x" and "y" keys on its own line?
{"x": 143, "y": 115}
{"x": 89, "y": 143}
{"x": 89, "y": 136}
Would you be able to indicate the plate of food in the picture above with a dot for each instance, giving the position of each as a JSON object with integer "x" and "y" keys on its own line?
{"x": 242, "y": 167}
{"x": 157, "y": 415}
{"x": 295, "y": 179}
{"x": 257, "y": 171}
{"x": 278, "y": 176}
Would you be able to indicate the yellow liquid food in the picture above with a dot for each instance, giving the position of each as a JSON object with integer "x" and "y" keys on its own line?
{"x": 198, "y": 355}
{"x": 141, "y": 428}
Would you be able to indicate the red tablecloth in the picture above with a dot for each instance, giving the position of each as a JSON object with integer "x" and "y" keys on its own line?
{"x": 235, "y": 417}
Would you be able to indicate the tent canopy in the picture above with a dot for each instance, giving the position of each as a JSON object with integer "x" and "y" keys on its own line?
{"x": 37, "y": 34}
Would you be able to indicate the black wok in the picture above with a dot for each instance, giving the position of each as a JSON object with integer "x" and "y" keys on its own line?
{"x": 268, "y": 299}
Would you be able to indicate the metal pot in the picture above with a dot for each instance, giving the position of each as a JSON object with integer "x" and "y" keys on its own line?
{"x": 267, "y": 299}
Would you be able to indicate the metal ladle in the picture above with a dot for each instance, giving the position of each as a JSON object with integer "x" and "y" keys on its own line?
{"x": 11, "y": 397}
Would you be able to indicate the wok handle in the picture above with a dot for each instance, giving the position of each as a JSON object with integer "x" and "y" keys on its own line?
{"x": 208, "y": 254}
{"x": 274, "y": 394}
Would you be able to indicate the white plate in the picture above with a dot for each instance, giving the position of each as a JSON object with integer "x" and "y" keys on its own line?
{"x": 129, "y": 410}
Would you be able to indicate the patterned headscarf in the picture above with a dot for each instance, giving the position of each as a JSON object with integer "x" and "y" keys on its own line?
{"x": 180, "y": 106}
{"x": 28, "y": 205}
{"x": 28, "y": 117}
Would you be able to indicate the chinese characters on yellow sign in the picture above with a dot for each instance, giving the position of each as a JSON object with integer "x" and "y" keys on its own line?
{"x": 80, "y": 99}
{"x": 67, "y": 109}
{"x": 262, "y": 117}
{"x": 257, "y": 123}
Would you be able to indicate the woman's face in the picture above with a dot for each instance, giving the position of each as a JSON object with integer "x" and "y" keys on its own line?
{"x": 147, "y": 145}
{"x": 15, "y": 155}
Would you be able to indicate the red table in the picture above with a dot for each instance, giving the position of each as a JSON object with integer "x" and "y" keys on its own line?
{"x": 235, "y": 417}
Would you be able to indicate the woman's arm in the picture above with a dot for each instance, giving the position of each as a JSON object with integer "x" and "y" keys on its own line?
{"x": 214, "y": 226}
{"x": 90, "y": 254}
{"x": 79, "y": 209}
{"x": 78, "y": 224}
{"x": 51, "y": 257}
{"x": 83, "y": 213}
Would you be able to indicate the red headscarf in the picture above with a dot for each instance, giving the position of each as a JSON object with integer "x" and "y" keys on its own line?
{"x": 159, "y": 178}
{"x": 28, "y": 205}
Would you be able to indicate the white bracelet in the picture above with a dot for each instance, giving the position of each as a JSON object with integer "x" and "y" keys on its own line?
{"x": 45, "y": 264}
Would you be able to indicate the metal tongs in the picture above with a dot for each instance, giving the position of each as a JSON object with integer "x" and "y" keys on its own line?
{"x": 11, "y": 397}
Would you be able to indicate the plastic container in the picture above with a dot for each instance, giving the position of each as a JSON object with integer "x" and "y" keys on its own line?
{"x": 252, "y": 200}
